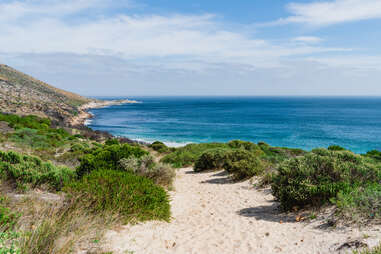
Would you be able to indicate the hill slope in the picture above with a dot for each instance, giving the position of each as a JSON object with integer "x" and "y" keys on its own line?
{"x": 23, "y": 95}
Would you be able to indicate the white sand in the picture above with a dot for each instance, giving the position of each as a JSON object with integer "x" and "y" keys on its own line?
{"x": 211, "y": 215}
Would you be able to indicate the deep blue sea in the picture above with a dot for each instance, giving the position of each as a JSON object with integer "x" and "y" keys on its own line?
{"x": 300, "y": 122}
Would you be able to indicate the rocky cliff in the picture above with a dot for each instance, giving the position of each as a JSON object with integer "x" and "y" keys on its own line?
{"x": 24, "y": 95}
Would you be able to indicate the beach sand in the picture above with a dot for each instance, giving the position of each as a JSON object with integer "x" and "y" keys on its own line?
{"x": 212, "y": 215}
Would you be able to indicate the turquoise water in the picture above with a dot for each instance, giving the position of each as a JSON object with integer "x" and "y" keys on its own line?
{"x": 300, "y": 122}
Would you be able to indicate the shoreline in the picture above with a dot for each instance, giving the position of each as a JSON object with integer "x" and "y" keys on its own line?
{"x": 84, "y": 115}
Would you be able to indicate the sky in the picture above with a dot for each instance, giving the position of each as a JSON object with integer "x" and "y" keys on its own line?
{"x": 196, "y": 47}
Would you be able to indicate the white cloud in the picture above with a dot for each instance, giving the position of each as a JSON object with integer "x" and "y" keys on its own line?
{"x": 81, "y": 45}
{"x": 307, "y": 39}
{"x": 332, "y": 12}
{"x": 360, "y": 62}
{"x": 197, "y": 38}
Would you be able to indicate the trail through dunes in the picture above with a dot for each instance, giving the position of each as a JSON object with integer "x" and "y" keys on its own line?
{"x": 212, "y": 215}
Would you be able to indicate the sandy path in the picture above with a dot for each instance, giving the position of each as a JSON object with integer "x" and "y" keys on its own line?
{"x": 211, "y": 215}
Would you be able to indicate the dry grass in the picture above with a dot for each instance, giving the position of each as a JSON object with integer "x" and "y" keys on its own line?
{"x": 58, "y": 226}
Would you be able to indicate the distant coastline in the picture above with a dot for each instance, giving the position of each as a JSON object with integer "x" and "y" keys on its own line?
{"x": 83, "y": 114}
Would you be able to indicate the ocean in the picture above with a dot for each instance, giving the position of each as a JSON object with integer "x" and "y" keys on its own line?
{"x": 298, "y": 122}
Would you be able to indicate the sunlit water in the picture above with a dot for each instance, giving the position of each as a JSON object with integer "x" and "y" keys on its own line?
{"x": 307, "y": 122}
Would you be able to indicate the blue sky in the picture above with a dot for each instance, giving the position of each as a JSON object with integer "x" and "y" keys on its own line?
{"x": 209, "y": 47}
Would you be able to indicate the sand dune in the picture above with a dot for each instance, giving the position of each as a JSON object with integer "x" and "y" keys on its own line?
{"x": 213, "y": 215}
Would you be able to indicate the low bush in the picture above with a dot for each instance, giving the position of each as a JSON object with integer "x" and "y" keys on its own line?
{"x": 8, "y": 219}
{"x": 363, "y": 202}
{"x": 266, "y": 178}
{"x": 34, "y": 131}
{"x": 246, "y": 145}
{"x": 243, "y": 164}
{"x": 336, "y": 148}
{"x": 108, "y": 158}
{"x": 374, "y": 154}
{"x": 318, "y": 176}
{"x": 159, "y": 147}
{"x": 112, "y": 141}
{"x": 159, "y": 173}
{"x": 130, "y": 196}
{"x": 213, "y": 159}
{"x": 276, "y": 155}
{"x": 32, "y": 122}
{"x": 77, "y": 148}
{"x": 37, "y": 139}
{"x": 29, "y": 171}
{"x": 187, "y": 155}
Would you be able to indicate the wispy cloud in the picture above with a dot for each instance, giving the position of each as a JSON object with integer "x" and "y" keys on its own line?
{"x": 84, "y": 44}
{"x": 307, "y": 39}
{"x": 200, "y": 38}
{"x": 324, "y": 13}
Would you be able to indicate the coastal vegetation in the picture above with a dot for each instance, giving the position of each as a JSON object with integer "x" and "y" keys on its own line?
{"x": 242, "y": 159}
{"x": 28, "y": 172}
{"x": 187, "y": 155}
{"x": 101, "y": 184}
{"x": 323, "y": 176}
{"x": 62, "y": 187}
{"x": 114, "y": 182}
{"x": 298, "y": 179}
{"x": 38, "y": 136}
{"x": 160, "y": 147}
{"x": 130, "y": 196}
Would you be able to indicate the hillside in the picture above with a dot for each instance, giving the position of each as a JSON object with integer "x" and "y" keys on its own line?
{"x": 23, "y": 95}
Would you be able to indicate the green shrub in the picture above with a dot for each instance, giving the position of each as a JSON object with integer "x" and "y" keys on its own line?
{"x": 159, "y": 173}
{"x": 187, "y": 155}
{"x": 27, "y": 170}
{"x": 8, "y": 219}
{"x": 108, "y": 158}
{"x": 363, "y": 202}
{"x": 213, "y": 159}
{"x": 112, "y": 141}
{"x": 374, "y": 154}
{"x": 35, "y": 132}
{"x": 319, "y": 176}
{"x": 130, "y": 196}
{"x": 77, "y": 148}
{"x": 9, "y": 243}
{"x": 246, "y": 145}
{"x": 243, "y": 164}
{"x": 336, "y": 148}
{"x": 32, "y": 122}
{"x": 276, "y": 155}
{"x": 130, "y": 164}
{"x": 159, "y": 147}
{"x": 267, "y": 178}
